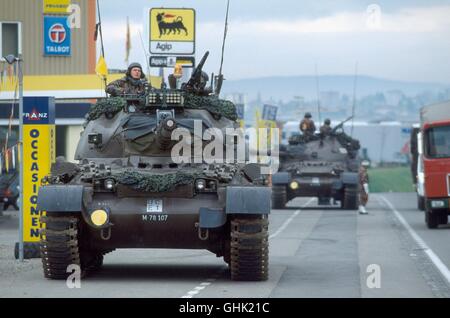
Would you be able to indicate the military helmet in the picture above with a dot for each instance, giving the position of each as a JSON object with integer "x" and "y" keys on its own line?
{"x": 308, "y": 115}
{"x": 327, "y": 121}
{"x": 133, "y": 65}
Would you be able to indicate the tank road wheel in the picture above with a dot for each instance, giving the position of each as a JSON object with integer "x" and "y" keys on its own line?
{"x": 60, "y": 247}
{"x": 431, "y": 219}
{"x": 350, "y": 201}
{"x": 249, "y": 248}
{"x": 279, "y": 197}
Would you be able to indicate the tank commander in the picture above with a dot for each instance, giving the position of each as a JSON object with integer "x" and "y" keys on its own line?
{"x": 363, "y": 186}
{"x": 307, "y": 126}
{"x": 134, "y": 82}
{"x": 325, "y": 129}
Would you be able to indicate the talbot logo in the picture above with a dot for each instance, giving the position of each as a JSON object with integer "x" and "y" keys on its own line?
{"x": 57, "y": 33}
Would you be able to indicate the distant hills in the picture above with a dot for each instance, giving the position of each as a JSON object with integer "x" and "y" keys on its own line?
{"x": 286, "y": 87}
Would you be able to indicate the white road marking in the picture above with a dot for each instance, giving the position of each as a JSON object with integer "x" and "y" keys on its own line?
{"x": 201, "y": 286}
{"x": 208, "y": 282}
{"x": 428, "y": 251}
{"x": 286, "y": 223}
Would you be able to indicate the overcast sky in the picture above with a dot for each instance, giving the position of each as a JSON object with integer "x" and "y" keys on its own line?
{"x": 408, "y": 40}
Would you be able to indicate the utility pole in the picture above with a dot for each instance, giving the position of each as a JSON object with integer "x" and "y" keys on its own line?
{"x": 11, "y": 59}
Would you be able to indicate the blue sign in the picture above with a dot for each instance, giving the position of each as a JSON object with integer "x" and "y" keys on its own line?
{"x": 56, "y": 36}
{"x": 240, "y": 111}
{"x": 269, "y": 112}
{"x": 38, "y": 110}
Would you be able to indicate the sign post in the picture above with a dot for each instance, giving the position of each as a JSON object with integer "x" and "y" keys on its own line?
{"x": 172, "y": 38}
{"x": 38, "y": 143}
{"x": 172, "y": 31}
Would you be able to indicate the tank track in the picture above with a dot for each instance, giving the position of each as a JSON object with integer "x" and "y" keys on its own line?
{"x": 60, "y": 248}
{"x": 351, "y": 198}
{"x": 279, "y": 197}
{"x": 249, "y": 248}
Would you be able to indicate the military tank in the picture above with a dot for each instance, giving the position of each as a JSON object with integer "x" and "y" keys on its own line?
{"x": 128, "y": 191}
{"x": 318, "y": 165}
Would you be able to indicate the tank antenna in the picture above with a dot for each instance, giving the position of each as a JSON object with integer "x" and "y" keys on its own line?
{"x": 219, "y": 79}
{"x": 147, "y": 56}
{"x": 318, "y": 94}
{"x": 354, "y": 96}
{"x": 99, "y": 28}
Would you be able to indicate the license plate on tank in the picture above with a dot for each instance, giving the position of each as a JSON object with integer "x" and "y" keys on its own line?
{"x": 154, "y": 205}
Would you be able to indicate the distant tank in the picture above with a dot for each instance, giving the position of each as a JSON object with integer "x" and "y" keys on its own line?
{"x": 323, "y": 166}
{"x": 128, "y": 192}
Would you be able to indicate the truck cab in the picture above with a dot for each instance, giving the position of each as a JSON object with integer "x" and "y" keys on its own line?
{"x": 435, "y": 147}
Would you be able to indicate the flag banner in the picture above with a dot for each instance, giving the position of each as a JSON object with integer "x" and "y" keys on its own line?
{"x": 101, "y": 69}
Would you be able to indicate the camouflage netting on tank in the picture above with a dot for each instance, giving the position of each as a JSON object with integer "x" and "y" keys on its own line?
{"x": 349, "y": 142}
{"x": 344, "y": 139}
{"x": 110, "y": 106}
{"x": 154, "y": 182}
{"x": 213, "y": 104}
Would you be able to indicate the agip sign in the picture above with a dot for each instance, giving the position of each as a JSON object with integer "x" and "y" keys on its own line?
{"x": 172, "y": 31}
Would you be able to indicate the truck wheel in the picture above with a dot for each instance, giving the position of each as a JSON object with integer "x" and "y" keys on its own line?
{"x": 279, "y": 197}
{"x": 431, "y": 219}
{"x": 249, "y": 248}
{"x": 443, "y": 218}
{"x": 350, "y": 201}
{"x": 420, "y": 203}
{"x": 61, "y": 246}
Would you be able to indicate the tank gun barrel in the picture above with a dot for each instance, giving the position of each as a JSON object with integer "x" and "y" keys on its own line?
{"x": 197, "y": 73}
{"x": 164, "y": 133}
{"x": 341, "y": 124}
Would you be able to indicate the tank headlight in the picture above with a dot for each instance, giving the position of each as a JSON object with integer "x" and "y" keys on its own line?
{"x": 109, "y": 184}
{"x": 99, "y": 217}
{"x": 200, "y": 184}
{"x": 152, "y": 98}
{"x": 174, "y": 98}
{"x": 293, "y": 185}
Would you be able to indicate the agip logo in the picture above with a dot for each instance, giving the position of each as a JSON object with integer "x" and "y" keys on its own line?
{"x": 57, "y": 33}
{"x": 172, "y": 31}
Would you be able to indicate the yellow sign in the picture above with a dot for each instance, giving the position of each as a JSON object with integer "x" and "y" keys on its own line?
{"x": 56, "y": 83}
{"x": 172, "y": 31}
{"x": 56, "y": 6}
{"x": 38, "y": 154}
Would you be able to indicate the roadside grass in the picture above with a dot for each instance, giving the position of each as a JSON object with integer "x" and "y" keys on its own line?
{"x": 396, "y": 179}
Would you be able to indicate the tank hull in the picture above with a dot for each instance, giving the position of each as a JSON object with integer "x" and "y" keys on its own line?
{"x": 136, "y": 224}
{"x": 315, "y": 187}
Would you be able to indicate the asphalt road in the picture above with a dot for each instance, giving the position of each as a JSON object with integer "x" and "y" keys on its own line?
{"x": 314, "y": 252}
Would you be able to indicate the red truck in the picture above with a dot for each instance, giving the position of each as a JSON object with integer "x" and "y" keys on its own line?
{"x": 435, "y": 128}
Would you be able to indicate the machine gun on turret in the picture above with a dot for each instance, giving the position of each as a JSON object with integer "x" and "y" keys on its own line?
{"x": 199, "y": 79}
{"x": 340, "y": 125}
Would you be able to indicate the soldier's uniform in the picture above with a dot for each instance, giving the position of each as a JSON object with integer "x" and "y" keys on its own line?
{"x": 127, "y": 84}
{"x": 363, "y": 189}
{"x": 325, "y": 130}
{"x": 307, "y": 126}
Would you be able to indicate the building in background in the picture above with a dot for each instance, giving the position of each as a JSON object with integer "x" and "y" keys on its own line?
{"x": 58, "y": 48}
